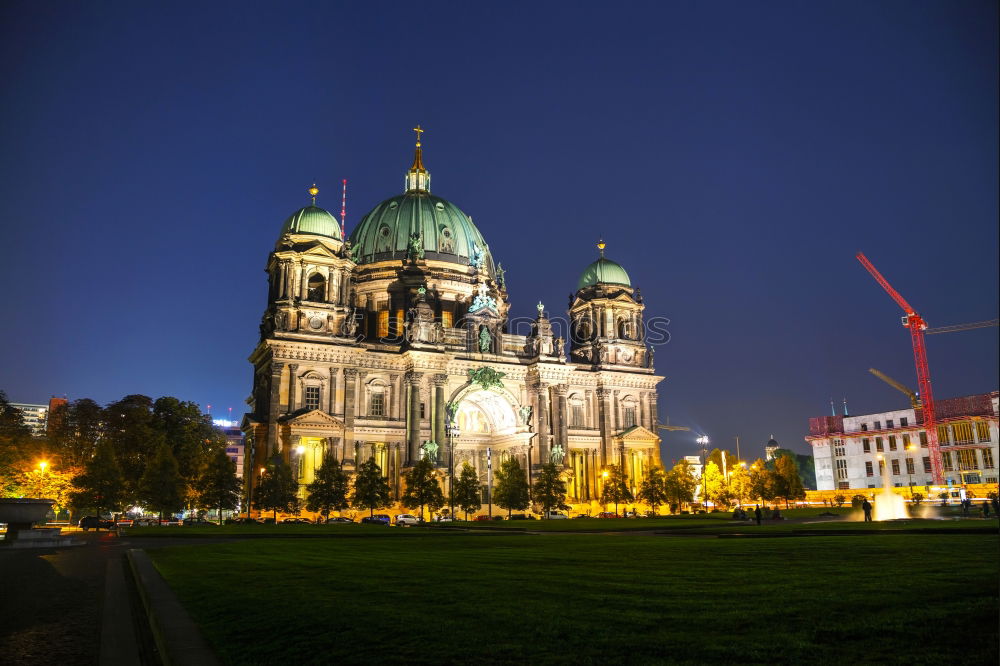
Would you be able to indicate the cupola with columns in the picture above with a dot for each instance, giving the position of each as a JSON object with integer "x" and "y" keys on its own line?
{"x": 606, "y": 317}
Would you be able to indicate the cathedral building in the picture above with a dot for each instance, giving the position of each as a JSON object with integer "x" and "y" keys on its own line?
{"x": 394, "y": 344}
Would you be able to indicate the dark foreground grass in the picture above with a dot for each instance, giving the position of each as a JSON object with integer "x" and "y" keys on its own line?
{"x": 593, "y": 599}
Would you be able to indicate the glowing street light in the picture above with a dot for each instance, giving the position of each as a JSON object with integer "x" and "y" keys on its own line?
{"x": 703, "y": 442}
{"x": 42, "y": 465}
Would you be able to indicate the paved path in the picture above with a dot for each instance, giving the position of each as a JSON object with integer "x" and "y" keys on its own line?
{"x": 75, "y": 605}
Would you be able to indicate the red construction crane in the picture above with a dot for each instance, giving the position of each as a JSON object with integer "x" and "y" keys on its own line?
{"x": 917, "y": 326}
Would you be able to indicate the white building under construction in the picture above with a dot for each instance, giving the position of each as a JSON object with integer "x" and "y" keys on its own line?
{"x": 849, "y": 451}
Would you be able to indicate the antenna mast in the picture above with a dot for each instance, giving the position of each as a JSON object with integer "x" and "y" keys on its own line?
{"x": 343, "y": 211}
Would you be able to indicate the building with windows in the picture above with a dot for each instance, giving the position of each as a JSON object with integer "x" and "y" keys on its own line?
{"x": 235, "y": 448}
{"x": 35, "y": 417}
{"x": 395, "y": 344}
{"x": 851, "y": 451}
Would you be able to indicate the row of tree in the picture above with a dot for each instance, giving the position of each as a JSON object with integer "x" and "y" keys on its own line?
{"x": 163, "y": 454}
{"x": 335, "y": 490}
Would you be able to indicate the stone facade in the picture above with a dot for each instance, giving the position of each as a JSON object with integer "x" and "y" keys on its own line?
{"x": 365, "y": 353}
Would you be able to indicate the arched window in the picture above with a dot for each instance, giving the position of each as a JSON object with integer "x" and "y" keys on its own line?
{"x": 377, "y": 398}
{"x": 577, "y": 414}
{"x": 624, "y": 329}
{"x": 629, "y": 412}
{"x": 317, "y": 287}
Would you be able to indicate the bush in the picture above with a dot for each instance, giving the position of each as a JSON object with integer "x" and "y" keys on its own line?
{"x": 917, "y": 498}
{"x": 857, "y": 501}
{"x": 839, "y": 500}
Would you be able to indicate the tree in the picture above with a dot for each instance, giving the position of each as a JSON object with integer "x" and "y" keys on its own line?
{"x": 739, "y": 483}
{"x": 616, "y": 488}
{"x": 14, "y": 439}
{"x": 549, "y": 489}
{"x": 129, "y": 430}
{"x": 101, "y": 486}
{"x": 371, "y": 490}
{"x": 48, "y": 483}
{"x": 161, "y": 486}
{"x": 653, "y": 489}
{"x": 189, "y": 433}
{"x": 277, "y": 490}
{"x": 839, "y": 500}
{"x": 466, "y": 492}
{"x": 422, "y": 487}
{"x": 511, "y": 491}
{"x": 679, "y": 484}
{"x": 219, "y": 486}
{"x": 787, "y": 483}
{"x": 761, "y": 485}
{"x": 917, "y": 498}
{"x": 714, "y": 486}
{"x": 74, "y": 429}
{"x": 329, "y": 491}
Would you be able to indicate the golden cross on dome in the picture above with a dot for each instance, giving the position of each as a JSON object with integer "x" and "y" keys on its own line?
{"x": 313, "y": 191}
{"x": 601, "y": 245}
{"x": 419, "y": 131}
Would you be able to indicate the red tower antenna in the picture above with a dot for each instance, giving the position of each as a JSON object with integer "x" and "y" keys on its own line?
{"x": 917, "y": 326}
{"x": 343, "y": 211}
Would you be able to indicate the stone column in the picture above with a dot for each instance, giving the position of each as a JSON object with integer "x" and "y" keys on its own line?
{"x": 654, "y": 422}
{"x": 413, "y": 418}
{"x": 604, "y": 423}
{"x": 272, "y": 413}
{"x": 563, "y": 417}
{"x": 542, "y": 423}
{"x": 439, "y": 409}
{"x": 390, "y": 404}
{"x": 350, "y": 385}
{"x": 292, "y": 386}
{"x": 332, "y": 398}
{"x": 303, "y": 282}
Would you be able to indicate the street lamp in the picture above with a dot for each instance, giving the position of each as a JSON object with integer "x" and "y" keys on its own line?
{"x": 451, "y": 431}
{"x": 703, "y": 441}
{"x": 42, "y": 465}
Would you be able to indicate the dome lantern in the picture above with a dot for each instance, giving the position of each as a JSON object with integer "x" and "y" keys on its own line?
{"x": 418, "y": 178}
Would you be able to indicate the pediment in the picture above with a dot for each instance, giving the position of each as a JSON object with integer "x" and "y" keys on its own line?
{"x": 319, "y": 251}
{"x": 637, "y": 434}
{"x": 315, "y": 418}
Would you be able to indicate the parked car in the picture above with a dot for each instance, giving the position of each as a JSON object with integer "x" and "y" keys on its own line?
{"x": 377, "y": 519}
{"x": 338, "y": 519}
{"x": 296, "y": 521}
{"x": 124, "y": 522}
{"x": 481, "y": 518}
{"x": 608, "y": 514}
{"x": 95, "y": 522}
{"x": 170, "y": 521}
{"x": 406, "y": 519}
{"x": 197, "y": 521}
{"x": 145, "y": 522}
{"x": 582, "y": 515}
{"x": 517, "y": 516}
{"x": 556, "y": 515}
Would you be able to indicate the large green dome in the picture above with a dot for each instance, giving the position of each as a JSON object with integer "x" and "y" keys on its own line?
{"x": 312, "y": 220}
{"x": 603, "y": 271}
{"x": 446, "y": 233}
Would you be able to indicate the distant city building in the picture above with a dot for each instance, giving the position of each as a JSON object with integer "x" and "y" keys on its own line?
{"x": 52, "y": 419}
{"x": 694, "y": 462}
{"x": 849, "y": 451}
{"x": 35, "y": 417}
{"x": 771, "y": 448}
{"x": 235, "y": 447}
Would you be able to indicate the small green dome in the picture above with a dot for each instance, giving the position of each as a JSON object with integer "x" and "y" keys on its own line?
{"x": 603, "y": 271}
{"x": 312, "y": 220}
{"x": 448, "y": 233}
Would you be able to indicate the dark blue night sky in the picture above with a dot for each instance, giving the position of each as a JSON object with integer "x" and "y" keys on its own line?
{"x": 733, "y": 155}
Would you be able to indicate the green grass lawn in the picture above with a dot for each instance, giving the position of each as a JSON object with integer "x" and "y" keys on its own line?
{"x": 592, "y": 598}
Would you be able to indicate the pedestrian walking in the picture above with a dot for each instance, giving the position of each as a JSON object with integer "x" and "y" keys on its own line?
{"x": 986, "y": 508}
{"x": 866, "y": 506}
{"x": 757, "y": 514}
